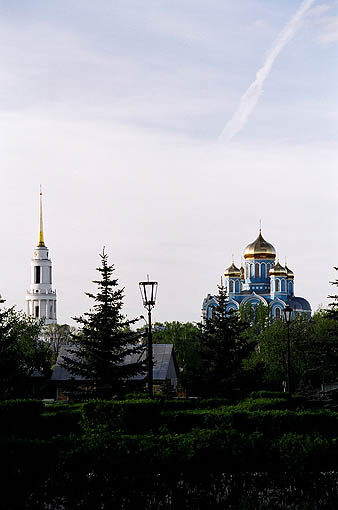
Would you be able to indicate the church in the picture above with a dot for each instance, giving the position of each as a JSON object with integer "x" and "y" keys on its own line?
{"x": 262, "y": 279}
{"x": 41, "y": 298}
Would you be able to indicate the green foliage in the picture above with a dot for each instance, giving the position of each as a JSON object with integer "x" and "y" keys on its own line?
{"x": 332, "y": 311}
{"x": 19, "y": 418}
{"x": 314, "y": 353}
{"x": 56, "y": 336}
{"x": 104, "y": 340}
{"x": 129, "y": 416}
{"x": 62, "y": 422}
{"x": 223, "y": 348}
{"x": 21, "y": 352}
{"x": 187, "y": 342}
{"x": 267, "y": 394}
{"x": 141, "y": 454}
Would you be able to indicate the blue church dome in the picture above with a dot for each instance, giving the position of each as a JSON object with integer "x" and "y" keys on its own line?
{"x": 261, "y": 280}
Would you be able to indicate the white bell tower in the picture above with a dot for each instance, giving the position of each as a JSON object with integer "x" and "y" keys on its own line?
{"x": 41, "y": 298}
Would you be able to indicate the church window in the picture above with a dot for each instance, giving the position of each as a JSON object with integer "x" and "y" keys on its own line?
{"x": 237, "y": 286}
{"x": 37, "y": 311}
{"x": 283, "y": 285}
{"x": 247, "y": 270}
{"x": 268, "y": 267}
{"x": 263, "y": 270}
{"x": 50, "y": 275}
{"x": 290, "y": 288}
{"x": 37, "y": 274}
{"x": 277, "y": 286}
{"x": 51, "y": 311}
{"x": 277, "y": 313}
{"x": 256, "y": 270}
{"x": 231, "y": 286}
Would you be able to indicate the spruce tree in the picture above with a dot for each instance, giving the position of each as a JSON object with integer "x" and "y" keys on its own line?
{"x": 223, "y": 348}
{"x": 332, "y": 311}
{"x": 104, "y": 341}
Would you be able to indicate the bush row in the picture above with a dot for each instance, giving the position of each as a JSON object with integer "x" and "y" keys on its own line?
{"x": 145, "y": 416}
{"x": 135, "y": 470}
{"x": 30, "y": 419}
{"x": 19, "y": 417}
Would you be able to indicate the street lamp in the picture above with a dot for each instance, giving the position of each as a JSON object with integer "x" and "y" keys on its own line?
{"x": 149, "y": 292}
{"x": 287, "y": 318}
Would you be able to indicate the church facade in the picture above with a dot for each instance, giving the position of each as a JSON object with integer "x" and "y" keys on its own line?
{"x": 261, "y": 279}
{"x": 41, "y": 298}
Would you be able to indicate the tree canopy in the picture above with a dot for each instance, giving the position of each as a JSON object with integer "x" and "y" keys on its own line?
{"x": 21, "y": 351}
{"x": 105, "y": 339}
{"x": 222, "y": 350}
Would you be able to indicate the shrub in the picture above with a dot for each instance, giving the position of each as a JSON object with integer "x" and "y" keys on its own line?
{"x": 62, "y": 422}
{"x": 127, "y": 416}
{"x": 268, "y": 394}
{"x": 19, "y": 418}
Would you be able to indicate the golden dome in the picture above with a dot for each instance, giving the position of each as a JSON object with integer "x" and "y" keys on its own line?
{"x": 290, "y": 274}
{"x": 278, "y": 270}
{"x": 259, "y": 249}
{"x": 232, "y": 271}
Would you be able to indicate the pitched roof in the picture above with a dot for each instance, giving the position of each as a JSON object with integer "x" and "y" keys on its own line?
{"x": 163, "y": 357}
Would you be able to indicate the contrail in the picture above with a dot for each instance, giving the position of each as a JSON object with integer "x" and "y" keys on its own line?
{"x": 250, "y": 97}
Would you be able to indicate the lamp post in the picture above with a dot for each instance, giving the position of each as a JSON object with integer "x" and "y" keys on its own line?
{"x": 149, "y": 292}
{"x": 287, "y": 317}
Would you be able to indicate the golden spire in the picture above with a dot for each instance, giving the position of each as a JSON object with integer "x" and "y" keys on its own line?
{"x": 41, "y": 240}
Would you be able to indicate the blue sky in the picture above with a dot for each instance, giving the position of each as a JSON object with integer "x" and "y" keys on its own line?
{"x": 116, "y": 109}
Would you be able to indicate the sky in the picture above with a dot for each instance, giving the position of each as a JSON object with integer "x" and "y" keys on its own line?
{"x": 121, "y": 110}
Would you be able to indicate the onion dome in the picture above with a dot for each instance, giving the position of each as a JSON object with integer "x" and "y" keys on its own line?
{"x": 259, "y": 249}
{"x": 289, "y": 273}
{"x": 278, "y": 270}
{"x": 232, "y": 271}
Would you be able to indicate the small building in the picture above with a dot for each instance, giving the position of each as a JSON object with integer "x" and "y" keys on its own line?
{"x": 164, "y": 369}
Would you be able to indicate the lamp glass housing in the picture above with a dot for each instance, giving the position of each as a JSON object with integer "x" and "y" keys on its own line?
{"x": 149, "y": 293}
{"x": 287, "y": 314}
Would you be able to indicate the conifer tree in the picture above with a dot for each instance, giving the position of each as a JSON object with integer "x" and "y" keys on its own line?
{"x": 223, "y": 348}
{"x": 104, "y": 342}
{"x": 332, "y": 312}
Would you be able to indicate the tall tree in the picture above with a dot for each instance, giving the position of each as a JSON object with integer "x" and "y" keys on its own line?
{"x": 56, "y": 336}
{"x": 332, "y": 311}
{"x": 105, "y": 340}
{"x": 223, "y": 349}
{"x": 21, "y": 352}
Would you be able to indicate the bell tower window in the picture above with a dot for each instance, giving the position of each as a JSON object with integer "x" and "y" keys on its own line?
{"x": 277, "y": 286}
{"x": 37, "y": 274}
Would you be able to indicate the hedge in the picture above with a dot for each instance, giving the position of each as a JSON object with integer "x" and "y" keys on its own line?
{"x": 20, "y": 417}
{"x": 146, "y": 471}
{"x": 137, "y": 416}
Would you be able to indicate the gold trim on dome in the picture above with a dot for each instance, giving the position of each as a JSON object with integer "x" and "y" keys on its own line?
{"x": 278, "y": 270}
{"x": 260, "y": 249}
{"x": 232, "y": 271}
